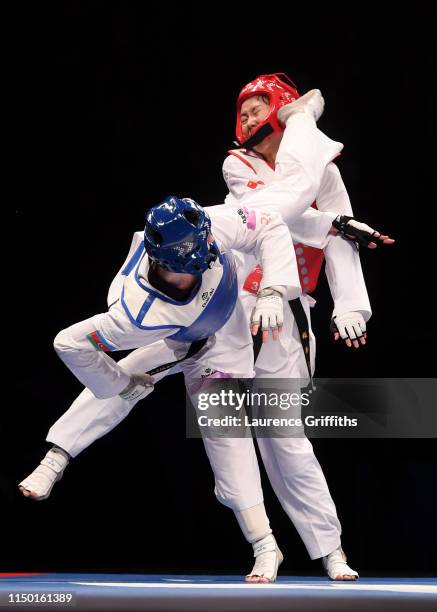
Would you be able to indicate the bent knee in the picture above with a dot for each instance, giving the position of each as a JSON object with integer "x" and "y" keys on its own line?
{"x": 62, "y": 342}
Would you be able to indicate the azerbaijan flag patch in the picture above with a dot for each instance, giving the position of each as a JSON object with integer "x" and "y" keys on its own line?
{"x": 99, "y": 343}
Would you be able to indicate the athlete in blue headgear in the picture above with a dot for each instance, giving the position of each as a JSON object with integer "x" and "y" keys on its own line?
{"x": 177, "y": 234}
{"x": 180, "y": 284}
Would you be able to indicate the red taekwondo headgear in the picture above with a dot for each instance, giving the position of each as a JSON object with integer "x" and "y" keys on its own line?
{"x": 280, "y": 90}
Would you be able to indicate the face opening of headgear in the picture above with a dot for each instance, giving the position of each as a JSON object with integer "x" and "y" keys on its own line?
{"x": 280, "y": 90}
{"x": 176, "y": 236}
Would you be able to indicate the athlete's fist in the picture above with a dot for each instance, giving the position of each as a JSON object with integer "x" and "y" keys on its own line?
{"x": 268, "y": 313}
{"x": 350, "y": 327}
{"x": 140, "y": 385}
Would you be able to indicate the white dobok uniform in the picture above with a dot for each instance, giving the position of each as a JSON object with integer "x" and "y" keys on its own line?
{"x": 142, "y": 314}
{"x": 293, "y": 470}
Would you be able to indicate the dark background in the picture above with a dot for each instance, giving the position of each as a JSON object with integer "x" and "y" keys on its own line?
{"x": 115, "y": 107}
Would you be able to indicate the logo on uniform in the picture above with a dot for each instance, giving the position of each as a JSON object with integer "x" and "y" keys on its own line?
{"x": 240, "y": 211}
{"x": 265, "y": 218}
{"x": 254, "y": 184}
{"x": 206, "y": 296}
{"x": 207, "y": 372}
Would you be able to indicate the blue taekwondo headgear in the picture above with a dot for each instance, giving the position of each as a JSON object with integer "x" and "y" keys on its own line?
{"x": 176, "y": 236}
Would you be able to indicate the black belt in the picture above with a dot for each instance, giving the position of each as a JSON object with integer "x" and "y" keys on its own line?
{"x": 195, "y": 347}
{"x": 304, "y": 334}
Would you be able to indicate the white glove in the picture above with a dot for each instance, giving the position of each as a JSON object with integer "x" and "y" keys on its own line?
{"x": 269, "y": 309}
{"x": 312, "y": 103}
{"x": 350, "y": 325}
{"x": 140, "y": 386}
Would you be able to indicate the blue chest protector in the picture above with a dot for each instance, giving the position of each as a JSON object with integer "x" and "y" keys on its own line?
{"x": 205, "y": 320}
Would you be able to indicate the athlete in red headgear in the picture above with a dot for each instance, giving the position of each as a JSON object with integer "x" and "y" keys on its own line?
{"x": 263, "y": 107}
{"x": 262, "y": 110}
{"x": 275, "y": 90}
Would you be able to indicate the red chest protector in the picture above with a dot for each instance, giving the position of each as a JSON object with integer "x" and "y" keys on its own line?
{"x": 309, "y": 259}
{"x": 309, "y": 264}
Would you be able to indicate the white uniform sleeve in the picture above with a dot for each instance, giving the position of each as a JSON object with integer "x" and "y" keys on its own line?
{"x": 265, "y": 235}
{"x": 343, "y": 266}
{"x": 301, "y": 162}
{"x": 310, "y": 228}
{"x": 83, "y": 346}
{"x": 116, "y": 286}
{"x": 302, "y": 157}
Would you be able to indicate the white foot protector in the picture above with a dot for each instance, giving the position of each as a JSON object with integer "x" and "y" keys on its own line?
{"x": 312, "y": 103}
{"x": 41, "y": 481}
{"x": 268, "y": 558}
{"x": 336, "y": 567}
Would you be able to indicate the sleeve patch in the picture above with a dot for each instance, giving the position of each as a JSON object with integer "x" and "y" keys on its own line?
{"x": 250, "y": 218}
{"x": 99, "y": 343}
{"x": 240, "y": 211}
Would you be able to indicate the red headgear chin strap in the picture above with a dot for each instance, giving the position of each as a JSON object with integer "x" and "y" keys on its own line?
{"x": 280, "y": 90}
